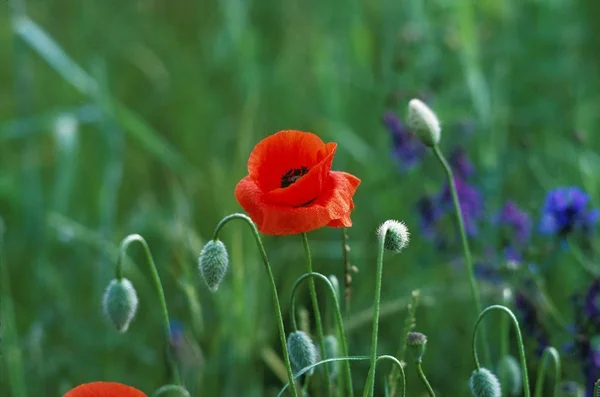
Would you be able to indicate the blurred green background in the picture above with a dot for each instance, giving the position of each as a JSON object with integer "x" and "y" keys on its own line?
{"x": 138, "y": 117}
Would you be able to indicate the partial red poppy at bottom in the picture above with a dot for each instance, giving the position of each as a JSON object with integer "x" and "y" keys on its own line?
{"x": 104, "y": 389}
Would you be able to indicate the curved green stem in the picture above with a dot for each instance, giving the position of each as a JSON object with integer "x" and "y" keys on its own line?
{"x": 400, "y": 368}
{"x": 370, "y": 386}
{"x": 465, "y": 243}
{"x": 282, "y": 336}
{"x": 338, "y": 320}
{"x": 159, "y": 291}
{"x": 519, "y": 342}
{"x": 171, "y": 388}
{"x": 424, "y": 379}
{"x": 316, "y": 310}
{"x": 549, "y": 353}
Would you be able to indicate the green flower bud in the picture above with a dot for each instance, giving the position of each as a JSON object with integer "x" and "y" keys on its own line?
{"x": 120, "y": 303}
{"x": 302, "y": 350}
{"x": 423, "y": 122}
{"x": 396, "y": 235}
{"x": 332, "y": 351}
{"x": 483, "y": 383}
{"x": 570, "y": 389}
{"x": 213, "y": 262}
{"x": 510, "y": 370}
{"x": 416, "y": 343}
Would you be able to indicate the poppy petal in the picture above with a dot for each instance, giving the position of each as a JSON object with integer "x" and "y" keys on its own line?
{"x": 307, "y": 187}
{"x": 104, "y": 389}
{"x": 281, "y": 152}
{"x": 334, "y": 203}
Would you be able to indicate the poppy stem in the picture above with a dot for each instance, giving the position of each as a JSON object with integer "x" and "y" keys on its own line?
{"x": 526, "y": 390}
{"x": 370, "y": 385}
{"x": 465, "y": 244}
{"x": 159, "y": 291}
{"x": 549, "y": 353}
{"x": 316, "y": 310}
{"x": 338, "y": 318}
{"x": 424, "y": 379}
{"x": 263, "y": 253}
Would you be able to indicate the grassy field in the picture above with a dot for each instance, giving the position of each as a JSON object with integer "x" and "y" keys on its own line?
{"x": 139, "y": 116}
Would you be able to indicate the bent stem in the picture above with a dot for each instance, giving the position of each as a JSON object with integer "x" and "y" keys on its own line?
{"x": 159, "y": 291}
{"x": 465, "y": 244}
{"x": 519, "y": 342}
{"x": 171, "y": 388}
{"x": 549, "y": 353}
{"x": 370, "y": 386}
{"x": 398, "y": 366}
{"x": 424, "y": 379}
{"x": 316, "y": 310}
{"x": 282, "y": 336}
{"x": 338, "y": 320}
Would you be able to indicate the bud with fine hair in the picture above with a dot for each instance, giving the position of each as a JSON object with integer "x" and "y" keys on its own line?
{"x": 332, "y": 351}
{"x": 423, "y": 122}
{"x": 416, "y": 343}
{"x": 303, "y": 352}
{"x": 213, "y": 263}
{"x": 396, "y": 235}
{"x": 120, "y": 303}
{"x": 510, "y": 370}
{"x": 484, "y": 383}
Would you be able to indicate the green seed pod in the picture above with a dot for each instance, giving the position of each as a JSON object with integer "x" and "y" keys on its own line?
{"x": 416, "y": 343}
{"x": 423, "y": 122}
{"x": 483, "y": 383}
{"x": 510, "y": 370}
{"x": 570, "y": 389}
{"x": 332, "y": 351}
{"x": 120, "y": 303}
{"x": 302, "y": 350}
{"x": 396, "y": 235}
{"x": 213, "y": 262}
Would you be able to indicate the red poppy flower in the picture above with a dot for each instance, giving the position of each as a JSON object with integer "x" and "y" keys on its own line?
{"x": 104, "y": 389}
{"x": 290, "y": 187}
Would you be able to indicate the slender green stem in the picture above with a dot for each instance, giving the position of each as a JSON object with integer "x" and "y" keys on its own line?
{"x": 316, "y": 310}
{"x": 347, "y": 272}
{"x": 519, "y": 342}
{"x": 549, "y": 353}
{"x": 370, "y": 386}
{"x": 582, "y": 260}
{"x": 409, "y": 323}
{"x": 597, "y": 389}
{"x": 424, "y": 379}
{"x": 261, "y": 247}
{"x": 338, "y": 320}
{"x": 398, "y": 365}
{"x": 159, "y": 291}
{"x": 504, "y": 335}
{"x": 465, "y": 244}
{"x": 169, "y": 389}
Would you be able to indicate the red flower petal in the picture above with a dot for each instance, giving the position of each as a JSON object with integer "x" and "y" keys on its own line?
{"x": 104, "y": 389}
{"x": 332, "y": 206}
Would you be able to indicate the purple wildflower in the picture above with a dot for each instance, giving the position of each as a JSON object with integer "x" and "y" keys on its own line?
{"x": 460, "y": 163}
{"x": 407, "y": 149}
{"x": 565, "y": 210}
{"x": 429, "y": 212}
{"x": 471, "y": 203}
{"x": 592, "y": 301}
{"x": 516, "y": 220}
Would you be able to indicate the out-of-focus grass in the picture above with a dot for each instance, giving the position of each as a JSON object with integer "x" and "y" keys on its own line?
{"x": 169, "y": 100}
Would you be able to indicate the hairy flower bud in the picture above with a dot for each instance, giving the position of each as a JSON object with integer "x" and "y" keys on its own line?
{"x": 396, "y": 235}
{"x": 213, "y": 262}
{"x": 510, "y": 370}
{"x": 416, "y": 343}
{"x": 302, "y": 350}
{"x": 483, "y": 383}
{"x": 120, "y": 303}
{"x": 423, "y": 122}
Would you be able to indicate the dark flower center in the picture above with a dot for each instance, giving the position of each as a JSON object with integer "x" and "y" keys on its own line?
{"x": 292, "y": 175}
